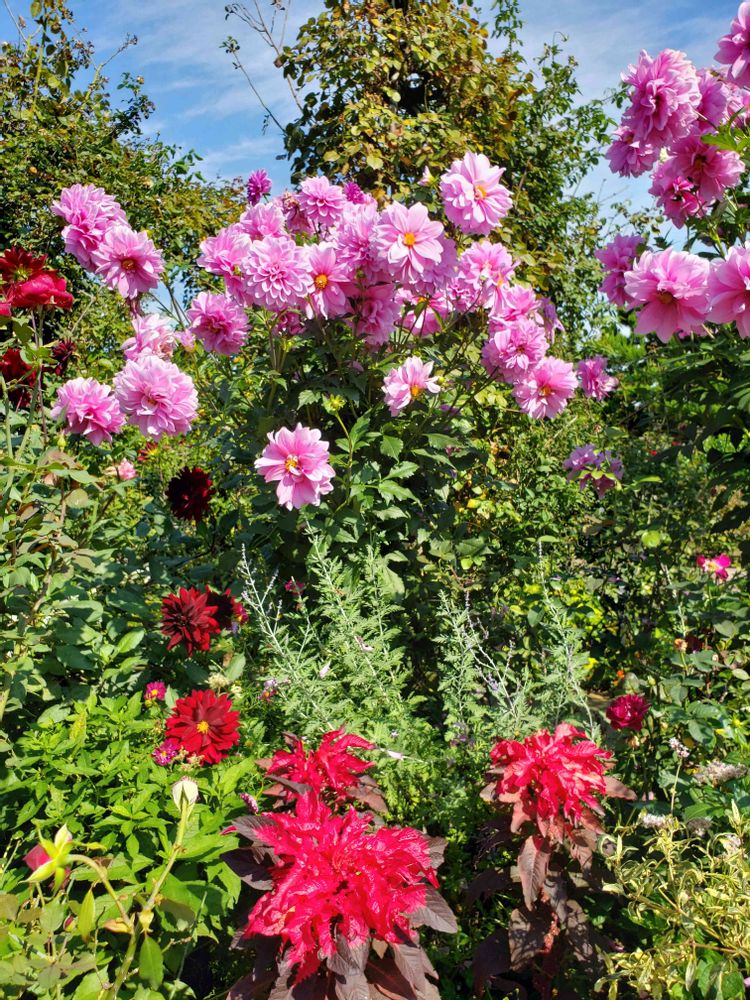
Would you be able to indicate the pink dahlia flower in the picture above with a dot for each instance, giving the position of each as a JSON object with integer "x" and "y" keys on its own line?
{"x": 376, "y": 312}
{"x": 628, "y": 156}
{"x": 88, "y": 212}
{"x": 514, "y": 350}
{"x": 424, "y": 315}
{"x": 671, "y": 289}
{"x": 714, "y": 97}
{"x": 518, "y": 302}
{"x": 321, "y": 202}
{"x": 262, "y": 220}
{"x": 734, "y": 48}
{"x": 484, "y": 271}
{"x": 89, "y": 409}
{"x": 600, "y": 468}
{"x": 595, "y": 381}
{"x": 258, "y": 185}
{"x": 153, "y": 335}
{"x": 276, "y": 275}
{"x": 676, "y": 195}
{"x": 473, "y": 196}
{"x": 125, "y": 471}
{"x": 545, "y": 390}
{"x": 353, "y": 239}
{"x": 718, "y": 565}
{"x": 156, "y": 396}
{"x": 617, "y": 257}
{"x": 664, "y": 96}
{"x": 218, "y": 322}
{"x": 224, "y": 254}
{"x": 407, "y": 242}
{"x": 403, "y": 385}
{"x": 729, "y": 290}
{"x": 710, "y": 169}
{"x": 298, "y": 461}
{"x": 329, "y": 276}
{"x": 628, "y": 712}
{"x": 128, "y": 261}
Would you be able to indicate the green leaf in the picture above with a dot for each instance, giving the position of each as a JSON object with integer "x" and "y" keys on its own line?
{"x": 391, "y": 446}
{"x": 151, "y": 963}
{"x": 129, "y": 641}
{"x": 86, "y": 916}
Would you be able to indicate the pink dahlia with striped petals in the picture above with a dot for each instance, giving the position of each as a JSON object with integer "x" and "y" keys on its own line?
{"x": 218, "y": 322}
{"x": 405, "y": 384}
{"x": 407, "y": 242}
{"x": 670, "y": 289}
{"x": 473, "y": 197}
{"x": 545, "y": 390}
{"x": 298, "y": 461}
{"x": 127, "y": 261}
{"x": 156, "y": 396}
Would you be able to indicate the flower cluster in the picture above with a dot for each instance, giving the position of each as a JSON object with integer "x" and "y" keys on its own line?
{"x": 600, "y": 468}
{"x": 331, "y": 771}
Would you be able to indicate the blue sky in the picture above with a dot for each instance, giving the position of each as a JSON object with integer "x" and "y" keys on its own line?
{"x": 203, "y": 103}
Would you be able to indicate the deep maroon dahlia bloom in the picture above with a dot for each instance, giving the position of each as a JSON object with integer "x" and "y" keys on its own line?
{"x": 189, "y": 617}
{"x": 189, "y": 494}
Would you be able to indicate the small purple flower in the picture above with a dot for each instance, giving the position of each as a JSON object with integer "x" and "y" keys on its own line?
{"x": 258, "y": 184}
{"x": 251, "y": 802}
{"x": 155, "y": 691}
{"x": 166, "y": 752}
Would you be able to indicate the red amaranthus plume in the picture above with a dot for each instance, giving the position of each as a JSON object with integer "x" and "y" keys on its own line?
{"x": 189, "y": 617}
{"x": 204, "y": 725}
{"x": 554, "y": 780}
{"x": 333, "y": 885}
{"x": 332, "y": 771}
{"x": 189, "y": 494}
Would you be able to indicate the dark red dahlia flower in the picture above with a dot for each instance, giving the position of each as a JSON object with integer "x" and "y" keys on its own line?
{"x": 17, "y": 266}
{"x": 189, "y": 617}
{"x": 628, "y": 712}
{"x": 189, "y": 494}
{"x": 336, "y": 879}
{"x": 45, "y": 289}
{"x": 18, "y": 376}
{"x": 330, "y": 770}
{"x": 5, "y": 308}
{"x": 204, "y": 725}
{"x": 554, "y": 780}
{"x": 63, "y": 352}
{"x": 229, "y": 612}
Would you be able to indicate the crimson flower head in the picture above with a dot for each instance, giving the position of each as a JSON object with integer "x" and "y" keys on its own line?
{"x": 63, "y": 352}
{"x": 47, "y": 289}
{"x": 189, "y": 617}
{"x": 335, "y": 878}
{"x": 331, "y": 769}
{"x": 204, "y": 725}
{"x": 189, "y": 494}
{"x": 718, "y": 565}
{"x": 17, "y": 266}
{"x": 18, "y": 377}
{"x": 155, "y": 691}
{"x": 553, "y": 780}
{"x": 628, "y": 712}
{"x": 228, "y": 612}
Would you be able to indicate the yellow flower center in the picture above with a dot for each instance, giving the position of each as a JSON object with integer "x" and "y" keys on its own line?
{"x": 203, "y": 727}
{"x": 665, "y": 297}
{"x": 292, "y": 462}
{"x": 128, "y": 264}
{"x": 409, "y": 239}
{"x": 480, "y": 191}
{"x": 415, "y": 390}
{"x": 545, "y": 391}
{"x": 321, "y": 281}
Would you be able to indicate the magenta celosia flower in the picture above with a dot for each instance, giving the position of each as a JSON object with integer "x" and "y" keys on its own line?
{"x": 600, "y": 468}
{"x": 423, "y": 315}
{"x": 329, "y": 276}
{"x": 276, "y": 275}
{"x": 664, "y": 97}
{"x": 154, "y": 691}
{"x": 298, "y": 461}
{"x": 595, "y": 381}
{"x": 671, "y": 289}
{"x": 376, "y": 311}
{"x": 89, "y": 409}
{"x": 321, "y": 202}
{"x": 617, "y": 257}
{"x": 219, "y": 323}
{"x": 473, "y": 197}
{"x": 156, "y": 396}
{"x": 406, "y": 241}
{"x": 677, "y": 196}
{"x": 628, "y": 156}
{"x": 718, "y": 565}
{"x": 89, "y": 212}
{"x": 711, "y": 170}
{"x": 513, "y": 349}
{"x": 545, "y": 390}
{"x": 408, "y": 382}
{"x": 224, "y": 254}
{"x": 262, "y": 220}
{"x": 734, "y": 48}
{"x": 729, "y": 289}
{"x": 484, "y": 271}
{"x": 153, "y": 335}
{"x": 258, "y": 185}
{"x": 128, "y": 261}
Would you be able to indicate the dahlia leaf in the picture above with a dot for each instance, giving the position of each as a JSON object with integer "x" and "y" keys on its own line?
{"x": 151, "y": 963}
